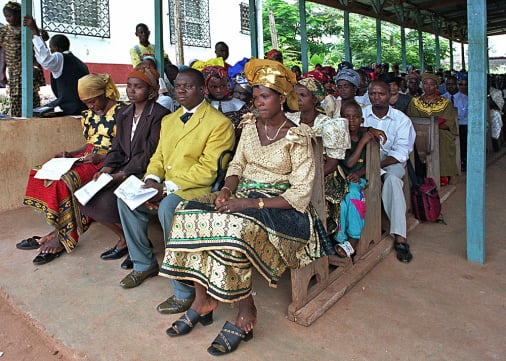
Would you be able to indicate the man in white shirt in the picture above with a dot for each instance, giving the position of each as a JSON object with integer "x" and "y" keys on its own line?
{"x": 66, "y": 69}
{"x": 393, "y": 156}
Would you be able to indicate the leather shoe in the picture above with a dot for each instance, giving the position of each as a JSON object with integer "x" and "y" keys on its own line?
{"x": 43, "y": 258}
{"x": 114, "y": 253}
{"x": 127, "y": 263}
{"x": 135, "y": 278}
{"x": 173, "y": 305}
{"x": 403, "y": 252}
{"x": 29, "y": 243}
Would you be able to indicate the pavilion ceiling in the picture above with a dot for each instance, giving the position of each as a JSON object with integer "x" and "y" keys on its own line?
{"x": 448, "y": 18}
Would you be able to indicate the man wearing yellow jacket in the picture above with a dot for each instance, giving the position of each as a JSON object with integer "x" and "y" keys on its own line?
{"x": 184, "y": 166}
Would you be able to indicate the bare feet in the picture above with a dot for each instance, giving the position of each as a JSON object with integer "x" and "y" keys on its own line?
{"x": 247, "y": 316}
{"x": 53, "y": 245}
{"x": 203, "y": 303}
{"x": 47, "y": 237}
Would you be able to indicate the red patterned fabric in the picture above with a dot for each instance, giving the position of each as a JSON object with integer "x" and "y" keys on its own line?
{"x": 55, "y": 200}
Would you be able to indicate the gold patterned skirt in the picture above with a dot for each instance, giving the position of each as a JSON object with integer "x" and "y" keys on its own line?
{"x": 219, "y": 250}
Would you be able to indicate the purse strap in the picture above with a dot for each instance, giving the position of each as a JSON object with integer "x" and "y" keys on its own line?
{"x": 412, "y": 175}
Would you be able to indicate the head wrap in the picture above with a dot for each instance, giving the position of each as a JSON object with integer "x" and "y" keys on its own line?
{"x": 345, "y": 65}
{"x": 94, "y": 85}
{"x": 199, "y": 64}
{"x": 271, "y": 74}
{"x": 274, "y": 54}
{"x": 318, "y": 75}
{"x": 314, "y": 86}
{"x": 147, "y": 74}
{"x": 216, "y": 72}
{"x": 349, "y": 75}
{"x": 237, "y": 68}
{"x": 413, "y": 75}
{"x": 328, "y": 70}
{"x": 432, "y": 76}
{"x": 13, "y": 6}
{"x": 240, "y": 79}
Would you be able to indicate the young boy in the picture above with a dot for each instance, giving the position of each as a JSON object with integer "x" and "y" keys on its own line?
{"x": 352, "y": 214}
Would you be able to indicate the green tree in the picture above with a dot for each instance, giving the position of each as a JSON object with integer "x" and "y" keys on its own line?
{"x": 325, "y": 36}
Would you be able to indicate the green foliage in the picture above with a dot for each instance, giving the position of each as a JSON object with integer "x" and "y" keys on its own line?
{"x": 325, "y": 36}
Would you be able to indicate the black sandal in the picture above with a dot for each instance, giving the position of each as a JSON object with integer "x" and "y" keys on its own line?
{"x": 403, "y": 252}
{"x": 228, "y": 339}
{"x": 29, "y": 243}
{"x": 187, "y": 322}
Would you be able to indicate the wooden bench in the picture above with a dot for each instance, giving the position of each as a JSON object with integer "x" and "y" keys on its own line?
{"x": 427, "y": 145}
{"x": 316, "y": 287}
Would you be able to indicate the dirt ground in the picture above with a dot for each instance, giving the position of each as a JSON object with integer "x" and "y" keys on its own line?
{"x": 20, "y": 340}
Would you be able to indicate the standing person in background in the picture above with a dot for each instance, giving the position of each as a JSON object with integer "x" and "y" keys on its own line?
{"x": 459, "y": 102}
{"x": 10, "y": 40}
{"x": 144, "y": 48}
{"x": 66, "y": 69}
{"x": 221, "y": 51}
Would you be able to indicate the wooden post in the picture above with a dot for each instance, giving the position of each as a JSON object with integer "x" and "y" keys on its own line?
{"x": 476, "y": 157}
{"x": 403, "y": 49}
{"x": 463, "y": 55}
{"x": 26, "y": 63}
{"x": 451, "y": 54}
{"x": 178, "y": 32}
{"x": 420, "y": 51}
{"x": 159, "y": 36}
{"x": 378, "y": 40}
{"x": 274, "y": 34}
{"x": 253, "y": 28}
{"x": 347, "y": 47}
{"x": 303, "y": 36}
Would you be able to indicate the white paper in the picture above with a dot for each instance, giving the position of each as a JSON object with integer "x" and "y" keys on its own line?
{"x": 132, "y": 193}
{"x": 55, "y": 168}
{"x": 86, "y": 192}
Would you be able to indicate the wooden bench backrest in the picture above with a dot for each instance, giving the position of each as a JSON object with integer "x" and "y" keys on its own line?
{"x": 427, "y": 145}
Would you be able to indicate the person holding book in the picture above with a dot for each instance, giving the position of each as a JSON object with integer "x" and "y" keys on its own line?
{"x": 137, "y": 135}
{"x": 55, "y": 199}
{"x": 191, "y": 142}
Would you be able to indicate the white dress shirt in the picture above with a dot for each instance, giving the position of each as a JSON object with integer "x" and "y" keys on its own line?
{"x": 461, "y": 104}
{"x": 398, "y": 129}
{"x": 50, "y": 61}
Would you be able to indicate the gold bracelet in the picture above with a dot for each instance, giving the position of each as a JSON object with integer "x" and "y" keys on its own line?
{"x": 260, "y": 203}
{"x": 228, "y": 189}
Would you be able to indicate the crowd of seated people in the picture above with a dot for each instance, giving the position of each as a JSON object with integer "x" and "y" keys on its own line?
{"x": 262, "y": 217}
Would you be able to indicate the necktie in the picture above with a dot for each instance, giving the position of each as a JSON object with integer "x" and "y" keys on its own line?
{"x": 451, "y": 99}
{"x": 185, "y": 117}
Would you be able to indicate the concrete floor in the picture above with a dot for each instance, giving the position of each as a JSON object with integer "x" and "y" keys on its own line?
{"x": 438, "y": 307}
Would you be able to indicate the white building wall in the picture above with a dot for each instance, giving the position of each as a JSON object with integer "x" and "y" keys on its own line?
{"x": 225, "y": 26}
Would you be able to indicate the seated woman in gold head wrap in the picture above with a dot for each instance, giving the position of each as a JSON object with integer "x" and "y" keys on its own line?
{"x": 260, "y": 219}
{"x": 55, "y": 199}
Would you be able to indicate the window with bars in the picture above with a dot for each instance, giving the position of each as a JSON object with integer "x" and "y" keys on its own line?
{"x": 194, "y": 23}
{"x": 244, "y": 18}
{"x": 79, "y": 17}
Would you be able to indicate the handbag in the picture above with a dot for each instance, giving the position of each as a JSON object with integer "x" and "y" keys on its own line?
{"x": 424, "y": 197}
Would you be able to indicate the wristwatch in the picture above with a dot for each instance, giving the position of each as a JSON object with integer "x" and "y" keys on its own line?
{"x": 260, "y": 203}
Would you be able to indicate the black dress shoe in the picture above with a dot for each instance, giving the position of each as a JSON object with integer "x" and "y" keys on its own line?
{"x": 127, "y": 263}
{"x": 114, "y": 253}
{"x": 173, "y": 305}
{"x": 43, "y": 258}
{"x": 403, "y": 252}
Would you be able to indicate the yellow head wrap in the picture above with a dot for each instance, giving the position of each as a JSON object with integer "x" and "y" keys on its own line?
{"x": 432, "y": 76}
{"x": 271, "y": 74}
{"x": 94, "y": 85}
{"x": 200, "y": 65}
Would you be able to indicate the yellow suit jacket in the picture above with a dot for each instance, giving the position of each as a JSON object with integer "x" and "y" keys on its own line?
{"x": 188, "y": 154}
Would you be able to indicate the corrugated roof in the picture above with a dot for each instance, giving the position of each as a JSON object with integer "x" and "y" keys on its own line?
{"x": 448, "y": 18}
